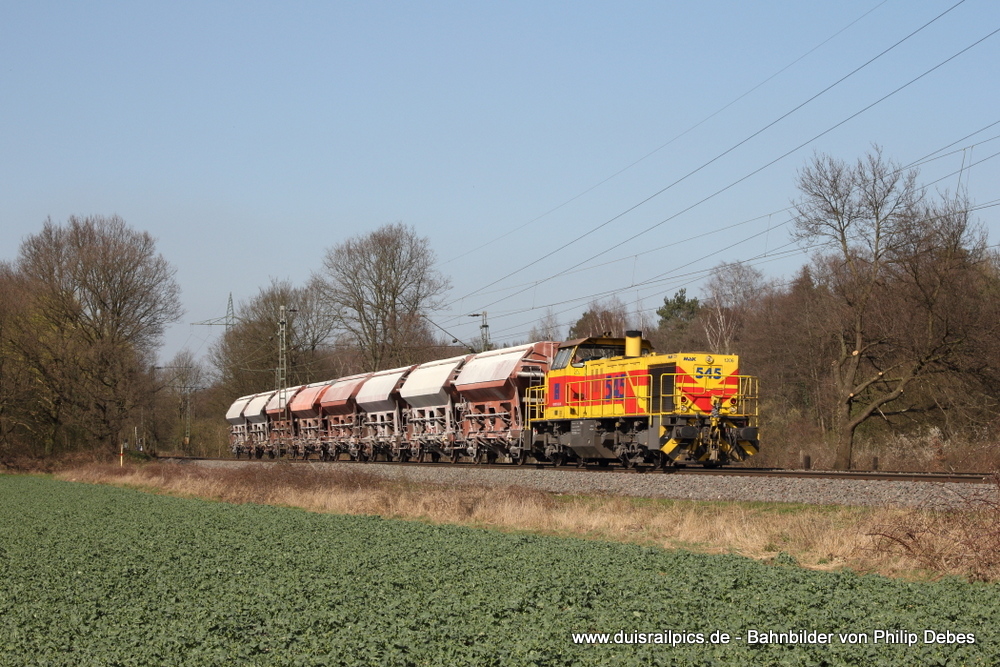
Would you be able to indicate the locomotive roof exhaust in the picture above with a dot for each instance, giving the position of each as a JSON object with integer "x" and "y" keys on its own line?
{"x": 633, "y": 343}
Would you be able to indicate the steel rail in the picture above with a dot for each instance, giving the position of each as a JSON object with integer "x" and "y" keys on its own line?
{"x": 871, "y": 475}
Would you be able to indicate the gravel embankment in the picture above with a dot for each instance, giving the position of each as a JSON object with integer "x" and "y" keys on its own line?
{"x": 685, "y": 487}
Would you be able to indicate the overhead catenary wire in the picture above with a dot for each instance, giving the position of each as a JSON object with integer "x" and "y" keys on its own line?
{"x": 669, "y": 142}
{"x": 656, "y": 281}
{"x": 755, "y": 171}
{"x": 675, "y": 281}
{"x": 934, "y": 155}
{"x": 734, "y": 147}
{"x": 931, "y": 157}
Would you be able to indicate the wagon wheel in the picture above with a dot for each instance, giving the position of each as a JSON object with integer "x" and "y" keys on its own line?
{"x": 558, "y": 459}
{"x": 520, "y": 459}
{"x": 477, "y": 458}
{"x": 455, "y": 455}
{"x": 491, "y": 457}
{"x": 627, "y": 461}
{"x": 435, "y": 457}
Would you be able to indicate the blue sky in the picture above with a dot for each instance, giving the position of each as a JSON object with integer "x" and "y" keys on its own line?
{"x": 249, "y": 137}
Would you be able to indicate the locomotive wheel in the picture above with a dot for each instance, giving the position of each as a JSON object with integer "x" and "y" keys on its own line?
{"x": 627, "y": 462}
{"x": 558, "y": 459}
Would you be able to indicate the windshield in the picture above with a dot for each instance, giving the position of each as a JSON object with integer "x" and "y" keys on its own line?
{"x": 586, "y": 353}
{"x": 562, "y": 358}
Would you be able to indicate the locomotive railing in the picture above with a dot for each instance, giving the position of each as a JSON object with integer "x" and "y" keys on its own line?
{"x": 627, "y": 395}
{"x": 534, "y": 402}
{"x": 609, "y": 396}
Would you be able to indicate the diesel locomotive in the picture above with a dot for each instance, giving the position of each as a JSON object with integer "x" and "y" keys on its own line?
{"x": 595, "y": 400}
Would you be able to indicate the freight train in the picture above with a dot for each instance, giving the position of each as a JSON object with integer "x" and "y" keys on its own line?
{"x": 593, "y": 400}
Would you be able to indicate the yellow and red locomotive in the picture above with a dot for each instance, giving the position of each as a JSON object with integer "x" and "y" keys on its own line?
{"x": 610, "y": 399}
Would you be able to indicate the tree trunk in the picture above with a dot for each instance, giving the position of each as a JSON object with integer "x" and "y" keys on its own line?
{"x": 845, "y": 440}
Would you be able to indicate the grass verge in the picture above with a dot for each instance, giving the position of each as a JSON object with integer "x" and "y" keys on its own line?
{"x": 817, "y": 537}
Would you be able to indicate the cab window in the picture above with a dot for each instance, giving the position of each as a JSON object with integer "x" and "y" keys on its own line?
{"x": 562, "y": 358}
{"x": 586, "y": 353}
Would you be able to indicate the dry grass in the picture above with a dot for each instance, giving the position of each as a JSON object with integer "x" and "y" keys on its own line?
{"x": 963, "y": 541}
{"x": 817, "y": 537}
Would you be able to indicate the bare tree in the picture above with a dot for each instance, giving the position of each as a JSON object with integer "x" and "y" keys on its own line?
{"x": 381, "y": 286}
{"x": 178, "y": 385}
{"x": 547, "y": 328}
{"x": 15, "y": 380}
{"x": 733, "y": 289}
{"x": 602, "y": 317}
{"x": 246, "y": 357}
{"x": 94, "y": 298}
{"x": 900, "y": 272}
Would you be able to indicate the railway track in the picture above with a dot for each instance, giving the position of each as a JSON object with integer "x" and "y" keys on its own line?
{"x": 874, "y": 475}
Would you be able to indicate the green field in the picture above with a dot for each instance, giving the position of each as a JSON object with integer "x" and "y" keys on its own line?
{"x": 93, "y": 575}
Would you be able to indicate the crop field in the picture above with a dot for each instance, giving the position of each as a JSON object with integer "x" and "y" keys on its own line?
{"x": 102, "y": 575}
